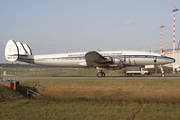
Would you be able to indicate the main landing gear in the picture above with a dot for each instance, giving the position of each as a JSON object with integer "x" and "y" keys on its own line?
{"x": 100, "y": 74}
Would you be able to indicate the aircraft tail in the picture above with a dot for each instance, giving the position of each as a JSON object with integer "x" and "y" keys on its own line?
{"x": 14, "y": 51}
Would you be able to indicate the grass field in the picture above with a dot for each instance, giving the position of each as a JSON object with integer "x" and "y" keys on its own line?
{"x": 93, "y": 98}
{"x": 94, "y": 89}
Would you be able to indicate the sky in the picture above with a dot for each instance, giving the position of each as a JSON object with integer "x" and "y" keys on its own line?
{"x": 60, "y": 26}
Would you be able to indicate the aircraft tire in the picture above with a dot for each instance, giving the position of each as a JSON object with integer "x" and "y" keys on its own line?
{"x": 162, "y": 75}
{"x": 103, "y": 74}
{"x": 99, "y": 74}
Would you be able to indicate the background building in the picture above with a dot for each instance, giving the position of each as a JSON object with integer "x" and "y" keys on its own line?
{"x": 168, "y": 51}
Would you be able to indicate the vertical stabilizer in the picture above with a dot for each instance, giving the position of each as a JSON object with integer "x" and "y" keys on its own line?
{"x": 21, "y": 48}
{"x": 11, "y": 51}
{"x": 28, "y": 49}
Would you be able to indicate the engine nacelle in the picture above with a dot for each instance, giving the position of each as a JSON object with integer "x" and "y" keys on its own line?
{"x": 118, "y": 62}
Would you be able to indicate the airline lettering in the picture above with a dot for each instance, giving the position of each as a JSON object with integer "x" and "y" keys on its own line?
{"x": 75, "y": 55}
{"x": 111, "y": 54}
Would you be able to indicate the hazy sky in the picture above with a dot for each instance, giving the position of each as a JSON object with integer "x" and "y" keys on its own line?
{"x": 59, "y": 26}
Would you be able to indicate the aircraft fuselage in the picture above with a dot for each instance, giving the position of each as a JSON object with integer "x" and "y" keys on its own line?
{"x": 131, "y": 58}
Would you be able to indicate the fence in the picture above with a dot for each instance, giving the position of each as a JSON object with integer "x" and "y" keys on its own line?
{"x": 10, "y": 81}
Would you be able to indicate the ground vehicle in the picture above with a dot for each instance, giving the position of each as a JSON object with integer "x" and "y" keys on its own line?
{"x": 177, "y": 69}
{"x": 142, "y": 72}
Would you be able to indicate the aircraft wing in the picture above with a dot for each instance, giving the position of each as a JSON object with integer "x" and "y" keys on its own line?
{"x": 94, "y": 59}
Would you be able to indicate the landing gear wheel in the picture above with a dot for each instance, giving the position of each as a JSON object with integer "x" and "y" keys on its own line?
{"x": 100, "y": 74}
{"x": 103, "y": 74}
{"x": 162, "y": 75}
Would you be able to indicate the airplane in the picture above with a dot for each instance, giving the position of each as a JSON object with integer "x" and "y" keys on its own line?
{"x": 102, "y": 60}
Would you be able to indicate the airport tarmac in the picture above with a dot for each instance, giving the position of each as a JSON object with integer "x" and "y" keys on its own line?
{"x": 91, "y": 78}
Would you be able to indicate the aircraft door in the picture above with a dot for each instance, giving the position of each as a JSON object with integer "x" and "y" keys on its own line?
{"x": 155, "y": 59}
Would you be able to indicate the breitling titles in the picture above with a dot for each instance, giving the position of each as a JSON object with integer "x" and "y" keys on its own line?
{"x": 75, "y": 55}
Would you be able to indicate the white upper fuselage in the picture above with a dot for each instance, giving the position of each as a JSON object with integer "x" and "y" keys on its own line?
{"x": 131, "y": 58}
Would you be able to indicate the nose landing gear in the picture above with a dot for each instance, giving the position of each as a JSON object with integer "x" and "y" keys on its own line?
{"x": 162, "y": 75}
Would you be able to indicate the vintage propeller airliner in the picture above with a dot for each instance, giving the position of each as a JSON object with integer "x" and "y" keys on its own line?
{"x": 113, "y": 60}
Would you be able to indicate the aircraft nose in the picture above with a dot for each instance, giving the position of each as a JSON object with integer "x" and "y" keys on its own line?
{"x": 171, "y": 60}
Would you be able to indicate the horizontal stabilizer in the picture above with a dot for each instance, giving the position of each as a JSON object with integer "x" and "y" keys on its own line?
{"x": 11, "y": 51}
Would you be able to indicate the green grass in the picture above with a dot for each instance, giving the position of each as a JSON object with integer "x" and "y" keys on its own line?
{"x": 45, "y": 110}
{"x": 6, "y": 94}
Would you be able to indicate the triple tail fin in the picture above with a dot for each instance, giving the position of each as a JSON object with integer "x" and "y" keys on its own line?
{"x": 28, "y": 49}
{"x": 21, "y": 48}
{"x": 15, "y": 50}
